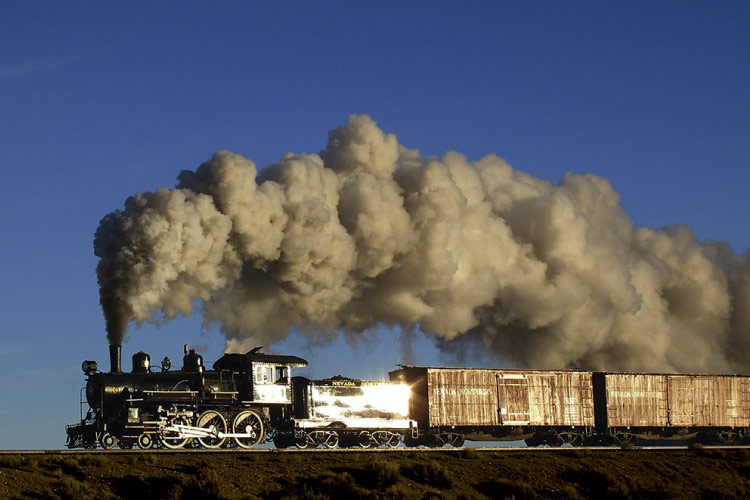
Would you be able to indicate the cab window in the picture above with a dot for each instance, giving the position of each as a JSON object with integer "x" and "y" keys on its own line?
{"x": 264, "y": 374}
{"x": 282, "y": 373}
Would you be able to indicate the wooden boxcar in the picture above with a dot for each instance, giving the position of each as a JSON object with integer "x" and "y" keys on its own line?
{"x": 657, "y": 406}
{"x": 709, "y": 400}
{"x": 537, "y": 405}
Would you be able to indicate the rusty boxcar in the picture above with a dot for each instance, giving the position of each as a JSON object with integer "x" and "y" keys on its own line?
{"x": 541, "y": 406}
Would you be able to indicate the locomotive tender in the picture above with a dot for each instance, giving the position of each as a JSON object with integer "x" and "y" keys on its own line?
{"x": 251, "y": 398}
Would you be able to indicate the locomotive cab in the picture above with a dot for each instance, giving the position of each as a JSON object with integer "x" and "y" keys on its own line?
{"x": 261, "y": 378}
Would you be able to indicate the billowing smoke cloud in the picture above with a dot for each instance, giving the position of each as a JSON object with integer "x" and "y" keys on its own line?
{"x": 369, "y": 232}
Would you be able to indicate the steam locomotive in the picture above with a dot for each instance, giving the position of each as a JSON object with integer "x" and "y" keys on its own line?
{"x": 245, "y": 400}
{"x": 251, "y": 398}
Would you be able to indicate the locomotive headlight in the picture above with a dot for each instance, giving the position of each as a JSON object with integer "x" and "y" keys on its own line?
{"x": 89, "y": 367}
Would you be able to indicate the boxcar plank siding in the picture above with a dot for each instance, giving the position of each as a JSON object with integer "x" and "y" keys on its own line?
{"x": 708, "y": 400}
{"x": 460, "y": 397}
{"x": 561, "y": 398}
{"x": 476, "y": 397}
{"x": 636, "y": 400}
{"x": 466, "y": 397}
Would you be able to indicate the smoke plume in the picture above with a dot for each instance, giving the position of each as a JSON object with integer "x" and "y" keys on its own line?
{"x": 370, "y": 233}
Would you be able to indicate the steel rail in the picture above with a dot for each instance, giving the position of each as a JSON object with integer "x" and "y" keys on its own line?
{"x": 517, "y": 449}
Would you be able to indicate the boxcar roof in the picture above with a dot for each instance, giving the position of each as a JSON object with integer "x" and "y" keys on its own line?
{"x": 671, "y": 374}
{"x": 418, "y": 367}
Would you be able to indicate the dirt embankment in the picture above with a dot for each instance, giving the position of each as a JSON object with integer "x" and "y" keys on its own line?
{"x": 461, "y": 474}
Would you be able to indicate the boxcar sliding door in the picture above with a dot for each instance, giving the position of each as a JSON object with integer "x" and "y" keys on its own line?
{"x": 513, "y": 399}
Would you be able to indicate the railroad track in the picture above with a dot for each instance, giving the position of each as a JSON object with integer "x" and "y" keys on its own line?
{"x": 514, "y": 449}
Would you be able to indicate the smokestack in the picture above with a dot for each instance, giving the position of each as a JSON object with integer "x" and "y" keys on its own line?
{"x": 114, "y": 358}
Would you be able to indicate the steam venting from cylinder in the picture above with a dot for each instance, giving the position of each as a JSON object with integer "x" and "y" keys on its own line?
{"x": 474, "y": 253}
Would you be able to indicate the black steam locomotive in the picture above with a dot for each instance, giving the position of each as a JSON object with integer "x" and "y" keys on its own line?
{"x": 245, "y": 400}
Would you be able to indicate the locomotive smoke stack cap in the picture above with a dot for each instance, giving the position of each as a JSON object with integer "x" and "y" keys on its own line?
{"x": 115, "y": 352}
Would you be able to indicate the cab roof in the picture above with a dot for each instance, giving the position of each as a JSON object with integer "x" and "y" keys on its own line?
{"x": 243, "y": 362}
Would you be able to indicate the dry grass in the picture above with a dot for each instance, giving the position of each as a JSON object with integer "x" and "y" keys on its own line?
{"x": 465, "y": 474}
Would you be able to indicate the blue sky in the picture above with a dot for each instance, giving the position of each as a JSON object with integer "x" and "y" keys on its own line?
{"x": 101, "y": 100}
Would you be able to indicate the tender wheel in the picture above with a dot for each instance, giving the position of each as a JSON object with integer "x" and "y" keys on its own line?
{"x": 108, "y": 441}
{"x": 331, "y": 440}
{"x": 145, "y": 441}
{"x": 212, "y": 421}
{"x": 306, "y": 441}
{"x": 248, "y": 422}
{"x": 394, "y": 440}
{"x": 365, "y": 440}
{"x": 302, "y": 442}
{"x": 173, "y": 439}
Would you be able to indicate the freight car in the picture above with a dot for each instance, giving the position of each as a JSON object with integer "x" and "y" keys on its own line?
{"x": 706, "y": 408}
{"x": 245, "y": 400}
{"x": 539, "y": 406}
{"x": 576, "y": 407}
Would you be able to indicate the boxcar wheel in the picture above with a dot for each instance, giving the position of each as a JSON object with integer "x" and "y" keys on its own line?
{"x": 623, "y": 438}
{"x": 453, "y": 439}
{"x": 729, "y": 437}
{"x": 571, "y": 438}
